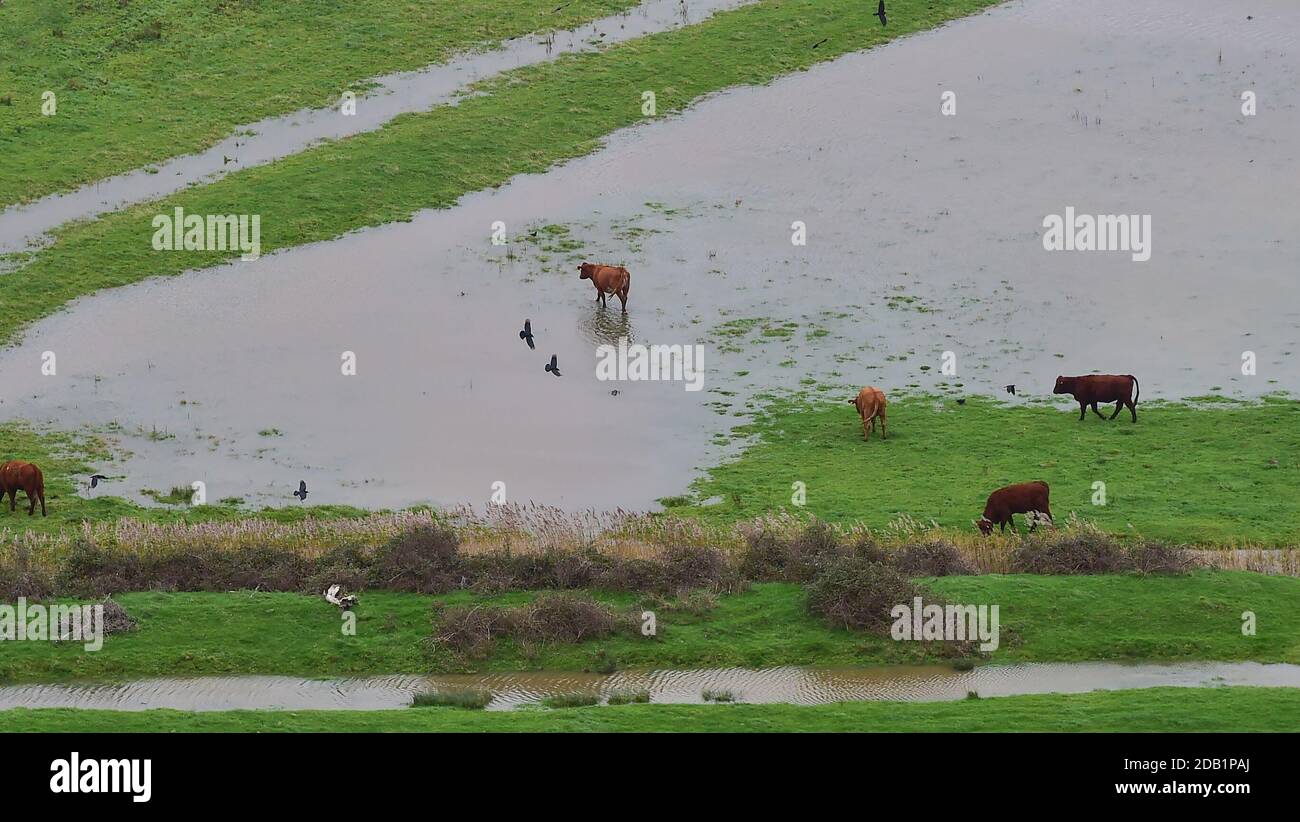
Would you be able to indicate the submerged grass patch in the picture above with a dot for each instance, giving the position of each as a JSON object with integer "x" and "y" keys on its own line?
{"x": 470, "y": 698}
{"x": 1224, "y": 475}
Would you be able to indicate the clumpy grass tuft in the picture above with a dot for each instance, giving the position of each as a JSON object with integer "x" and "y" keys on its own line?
{"x": 471, "y": 698}
{"x": 574, "y": 700}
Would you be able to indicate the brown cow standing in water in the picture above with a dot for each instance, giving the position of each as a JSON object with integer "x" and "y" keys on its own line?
{"x": 1014, "y": 499}
{"x": 1121, "y": 389}
{"x": 17, "y": 475}
{"x": 870, "y": 403}
{"x": 608, "y": 279}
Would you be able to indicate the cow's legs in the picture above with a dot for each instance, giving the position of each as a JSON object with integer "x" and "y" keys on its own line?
{"x": 1100, "y": 416}
{"x": 31, "y": 498}
{"x": 884, "y": 426}
{"x": 1133, "y": 409}
{"x": 622, "y": 297}
{"x": 13, "y": 500}
{"x": 1119, "y": 406}
{"x": 1083, "y": 410}
{"x": 866, "y": 429}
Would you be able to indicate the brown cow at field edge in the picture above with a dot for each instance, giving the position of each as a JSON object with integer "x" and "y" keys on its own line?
{"x": 608, "y": 279}
{"x": 1014, "y": 499}
{"x": 1121, "y": 389}
{"x": 870, "y": 403}
{"x": 17, "y": 475}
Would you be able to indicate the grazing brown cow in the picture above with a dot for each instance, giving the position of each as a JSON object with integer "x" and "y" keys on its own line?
{"x": 1014, "y": 499}
{"x": 16, "y": 476}
{"x": 870, "y": 403}
{"x": 1121, "y": 389}
{"x": 608, "y": 279}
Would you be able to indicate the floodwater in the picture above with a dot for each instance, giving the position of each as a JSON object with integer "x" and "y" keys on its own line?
{"x": 924, "y": 236}
{"x": 393, "y": 94}
{"x": 792, "y": 685}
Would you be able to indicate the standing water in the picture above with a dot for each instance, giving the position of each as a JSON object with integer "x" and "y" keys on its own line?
{"x": 790, "y": 685}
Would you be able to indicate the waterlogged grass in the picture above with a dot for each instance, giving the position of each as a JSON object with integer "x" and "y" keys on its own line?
{"x": 1224, "y": 474}
{"x": 1197, "y": 617}
{"x": 525, "y": 121}
{"x": 68, "y": 459}
{"x": 1154, "y": 709}
{"x": 141, "y": 82}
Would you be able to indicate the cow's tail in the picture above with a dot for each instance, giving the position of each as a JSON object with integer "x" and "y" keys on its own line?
{"x": 1137, "y": 389}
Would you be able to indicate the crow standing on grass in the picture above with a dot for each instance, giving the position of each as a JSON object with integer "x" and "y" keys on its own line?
{"x": 880, "y": 12}
{"x": 301, "y": 493}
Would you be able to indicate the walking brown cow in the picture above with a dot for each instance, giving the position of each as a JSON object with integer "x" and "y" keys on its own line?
{"x": 1121, "y": 389}
{"x": 870, "y": 403}
{"x": 1014, "y": 499}
{"x": 608, "y": 279}
{"x": 16, "y": 476}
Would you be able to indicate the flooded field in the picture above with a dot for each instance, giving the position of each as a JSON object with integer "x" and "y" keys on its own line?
{"x": 923, "y": 236}
{"x": 794, "y": 685}
{"x": 393, "y": 94}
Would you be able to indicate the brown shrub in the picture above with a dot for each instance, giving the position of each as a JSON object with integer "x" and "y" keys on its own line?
{"x": 933, "y": 558}
{"x": 567, "y": 618}
{"x": 769, "y": 556}
{"x": 687, "y": 567}
{"x": 472, "y": 631}
{"x": 1149, "y": 557}
{"x": 1070, "y": 552}
{"x": 858, "y": 594}
{"x": 469, "y": 630}
{"x": 423, "y": 560}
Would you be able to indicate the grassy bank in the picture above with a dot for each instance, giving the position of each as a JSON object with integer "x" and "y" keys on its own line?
{"x": 1221, "y": 473}
{"x": 1043, "y": 619}
{"x": 1155, "y": 709}
{"x": 525, "y": 122}
{"x": 139, "y": 83}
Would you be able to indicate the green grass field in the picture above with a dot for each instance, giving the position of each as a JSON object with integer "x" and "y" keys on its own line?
{"x": 1222, "y": 473}
{"x": 1219, "y": 474}
{"x": 526, "y": 121}
{"x": 1197, "y": 617}
{"x": 1149, "y": 710}
{"x": 141, "y": 82}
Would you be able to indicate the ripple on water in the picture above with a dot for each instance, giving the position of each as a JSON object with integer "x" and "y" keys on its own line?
{"x": 789, "y": 685}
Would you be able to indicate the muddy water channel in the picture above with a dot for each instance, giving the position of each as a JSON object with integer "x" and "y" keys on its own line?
{"x": 923, "y": 236}
{"x": 793, "y": 685}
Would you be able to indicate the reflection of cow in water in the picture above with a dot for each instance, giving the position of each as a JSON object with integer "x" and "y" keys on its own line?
{"x": 608, "y": 279}
{"x": 16, "y": 476}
